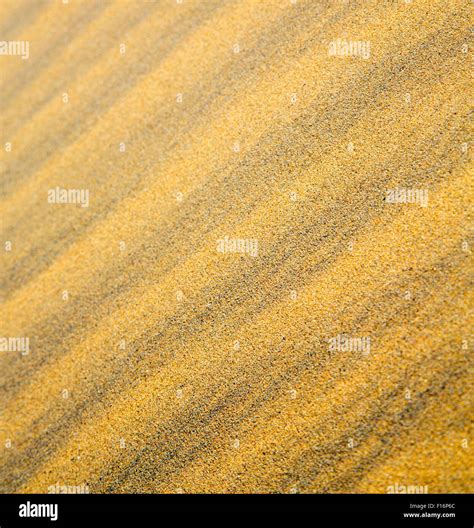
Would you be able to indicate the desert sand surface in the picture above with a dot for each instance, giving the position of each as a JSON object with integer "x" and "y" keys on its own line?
{"x": 236, "y": 297}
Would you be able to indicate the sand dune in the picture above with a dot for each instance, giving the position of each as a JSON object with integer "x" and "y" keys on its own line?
{"x": 236, "y": 244}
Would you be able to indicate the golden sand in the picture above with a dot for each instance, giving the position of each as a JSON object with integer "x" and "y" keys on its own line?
{"x": 158, "y": 362}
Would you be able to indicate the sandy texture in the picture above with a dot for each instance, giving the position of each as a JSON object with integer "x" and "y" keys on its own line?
{"x": 162, "y": 360}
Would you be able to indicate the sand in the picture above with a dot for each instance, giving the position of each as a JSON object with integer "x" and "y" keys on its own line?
{"x": 325, "y": 345}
